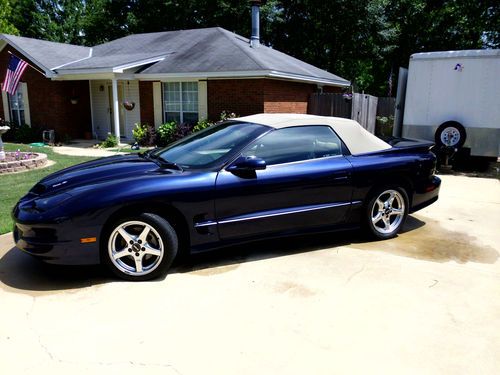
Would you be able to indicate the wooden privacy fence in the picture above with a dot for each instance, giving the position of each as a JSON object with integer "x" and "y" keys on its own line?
{"x": 329, "y": 105}
{"x": 363, "y": 108}
{"x": 386, "y": 106}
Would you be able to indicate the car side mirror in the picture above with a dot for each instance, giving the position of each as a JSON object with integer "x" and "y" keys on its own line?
{"x": 247, "y": 163}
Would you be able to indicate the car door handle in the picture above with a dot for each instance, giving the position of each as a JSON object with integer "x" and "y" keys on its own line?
{"x": 340, "y": 176}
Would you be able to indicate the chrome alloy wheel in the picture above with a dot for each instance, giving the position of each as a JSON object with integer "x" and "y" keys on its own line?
{"x": 388, "y": 211}
{"x": 135, "y": 248}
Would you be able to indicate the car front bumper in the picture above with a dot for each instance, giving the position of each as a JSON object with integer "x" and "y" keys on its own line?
{"x": 57, "y": 243}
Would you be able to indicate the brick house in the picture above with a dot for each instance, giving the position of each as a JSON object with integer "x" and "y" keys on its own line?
{"x": 183, "y": 75}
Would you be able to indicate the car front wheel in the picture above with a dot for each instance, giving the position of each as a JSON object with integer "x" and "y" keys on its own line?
{"x": 386, "y": 212}
{"x": 140, "y": 248}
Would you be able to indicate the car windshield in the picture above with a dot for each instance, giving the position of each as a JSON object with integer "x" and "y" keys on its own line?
{"x": 210, "y": 146}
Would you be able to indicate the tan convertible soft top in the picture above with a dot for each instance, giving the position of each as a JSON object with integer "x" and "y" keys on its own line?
{"x": 356, "y": 138}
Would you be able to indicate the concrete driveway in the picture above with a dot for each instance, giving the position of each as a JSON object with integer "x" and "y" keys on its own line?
{"x": 427, "y": 302}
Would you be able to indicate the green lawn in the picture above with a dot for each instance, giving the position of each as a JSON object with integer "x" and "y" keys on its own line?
{"x": 14, "y": 186}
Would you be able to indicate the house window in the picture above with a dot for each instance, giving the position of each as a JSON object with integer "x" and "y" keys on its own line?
{"x": 16, "y": 105}
{"x": 180, "y": 102}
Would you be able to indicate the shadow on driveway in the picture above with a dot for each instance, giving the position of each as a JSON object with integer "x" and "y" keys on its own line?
{"x": 419, "y": 240}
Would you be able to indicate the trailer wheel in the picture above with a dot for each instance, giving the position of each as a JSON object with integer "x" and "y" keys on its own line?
{"x": 450, "y": 134}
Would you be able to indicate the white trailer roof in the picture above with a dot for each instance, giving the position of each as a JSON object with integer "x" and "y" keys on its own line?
{"x": 356, "y": 138}
{"x": 455, "y": 54}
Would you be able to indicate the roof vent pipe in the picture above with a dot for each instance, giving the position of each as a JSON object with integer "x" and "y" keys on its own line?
{"x": 255, "y": 38}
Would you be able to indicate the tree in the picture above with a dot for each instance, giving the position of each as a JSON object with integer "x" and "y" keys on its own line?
{"x": 6, "y": 27}
{"x": 107, "y": 20}
{"x": 364, "y": 41}
{"x": 54, "y": 20}
{"x": 340, "y": 36}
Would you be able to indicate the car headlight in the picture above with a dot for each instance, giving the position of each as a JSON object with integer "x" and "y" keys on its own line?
{"x": 45, "y": 204}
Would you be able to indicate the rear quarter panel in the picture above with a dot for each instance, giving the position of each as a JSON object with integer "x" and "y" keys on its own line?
{"x": 410, "y": 170}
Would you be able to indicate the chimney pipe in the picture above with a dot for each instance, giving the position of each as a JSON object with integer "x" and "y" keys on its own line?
{"x": 255, "y": 38}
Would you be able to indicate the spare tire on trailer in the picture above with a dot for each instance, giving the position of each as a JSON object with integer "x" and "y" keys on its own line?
{"x": 450, "y": 134}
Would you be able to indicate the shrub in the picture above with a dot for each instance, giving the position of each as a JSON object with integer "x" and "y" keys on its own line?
{"x": 144, "y": 134}
{"x": 166, "y": 133}
{"x": 111, "y": 141}
{"x": 226, "y": 115}
{"x": 202, "y": 124}
{"x": 384, "y": 125}
{"x": 139, "y": 132}
{"x": 182, "y": 131}
{"x": 20, "y": 134}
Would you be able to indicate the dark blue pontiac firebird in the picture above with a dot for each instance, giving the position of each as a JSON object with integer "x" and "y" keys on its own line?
{"x": 249, "y": 178}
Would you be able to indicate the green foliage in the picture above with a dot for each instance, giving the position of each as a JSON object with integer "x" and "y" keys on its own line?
{"x": 111, "y": 141}
{"x": 202, "y": 124}
{"x": 140, "y": 132}
{"x": 14, "y": 186}
{"x": 144, "y": 134}
{"x": 57, "y": 21}
{"x": 363, "y": 41}
{"x": 166, "y": 133}
{"x": 226, "y": 115}
{"x": 21, "y": 134}
{"x": 6, "y": 26}
{"x": 384, "y": 125}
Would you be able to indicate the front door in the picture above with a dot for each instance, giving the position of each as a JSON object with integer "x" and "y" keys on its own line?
{"x": 306, "y": 184}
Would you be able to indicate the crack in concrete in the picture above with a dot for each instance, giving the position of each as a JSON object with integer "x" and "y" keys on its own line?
{"x": 53, "y": 357}
{"x": 354, "y": 274}
{"x": 29, "y": 314}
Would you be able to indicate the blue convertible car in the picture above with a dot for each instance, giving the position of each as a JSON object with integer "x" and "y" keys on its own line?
{"x": 249, "y": 178}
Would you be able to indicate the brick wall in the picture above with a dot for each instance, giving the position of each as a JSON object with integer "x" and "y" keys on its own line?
{"x": 147, "y": 104}
{"x": 49, "y": 101}
{"x": 287, "y": 97}
{"x": 250, "y": 96}
{"x": 241, "y": 96}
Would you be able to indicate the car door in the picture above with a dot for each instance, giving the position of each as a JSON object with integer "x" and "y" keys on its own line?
{"x": 306, "y": 184}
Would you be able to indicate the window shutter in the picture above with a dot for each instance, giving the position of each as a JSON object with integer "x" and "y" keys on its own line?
{"x": 157, "y": 104}
{"x": 5, "y": 103}
{"x": 202, "y": 100}
{"x": 27, "y": 117}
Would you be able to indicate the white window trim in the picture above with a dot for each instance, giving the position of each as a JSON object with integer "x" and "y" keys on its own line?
{"x": 27, "y": 114}
{"x": 6, "y": 107}
{"x": 23, "y": 86}
{"x": 181, "y": 112}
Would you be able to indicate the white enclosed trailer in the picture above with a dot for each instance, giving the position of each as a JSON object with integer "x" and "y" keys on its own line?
{"x": 453, "y": 98}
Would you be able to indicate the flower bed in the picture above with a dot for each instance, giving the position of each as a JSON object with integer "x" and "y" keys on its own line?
{"x": 22, "y": 161}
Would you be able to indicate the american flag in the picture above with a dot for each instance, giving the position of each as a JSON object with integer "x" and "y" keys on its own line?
{"x": 14, "y": 72}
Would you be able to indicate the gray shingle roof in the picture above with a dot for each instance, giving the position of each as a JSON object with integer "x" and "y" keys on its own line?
{"x": 211, "y": 50}
{"x": 48, "y": 55}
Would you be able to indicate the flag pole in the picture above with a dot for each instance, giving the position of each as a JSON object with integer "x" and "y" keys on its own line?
{"x": 38, "y": 70}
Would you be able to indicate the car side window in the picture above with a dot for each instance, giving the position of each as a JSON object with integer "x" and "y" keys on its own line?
{"x": 295, "y": 144}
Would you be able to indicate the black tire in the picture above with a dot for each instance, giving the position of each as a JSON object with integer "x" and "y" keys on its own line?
{"x": 393, "y": 215}
{"x": 450, "y": 134}
{"x": 129, "y": 257}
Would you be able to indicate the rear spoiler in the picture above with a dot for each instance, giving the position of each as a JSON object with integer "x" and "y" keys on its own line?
{"x": 404, "y": 143}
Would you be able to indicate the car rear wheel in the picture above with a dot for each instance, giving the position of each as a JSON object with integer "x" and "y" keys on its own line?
{"x": 386, "y": 212}
{"x": 140, "y": 248}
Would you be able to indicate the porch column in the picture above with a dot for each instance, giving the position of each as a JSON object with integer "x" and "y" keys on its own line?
{"x": 116, "y": 108}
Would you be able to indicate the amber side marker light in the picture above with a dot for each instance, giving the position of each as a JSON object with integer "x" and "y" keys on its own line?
{"x": 88, "y": 240}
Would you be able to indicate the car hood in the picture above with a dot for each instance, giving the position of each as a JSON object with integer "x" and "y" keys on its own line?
{"x": 109, "y": 169}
